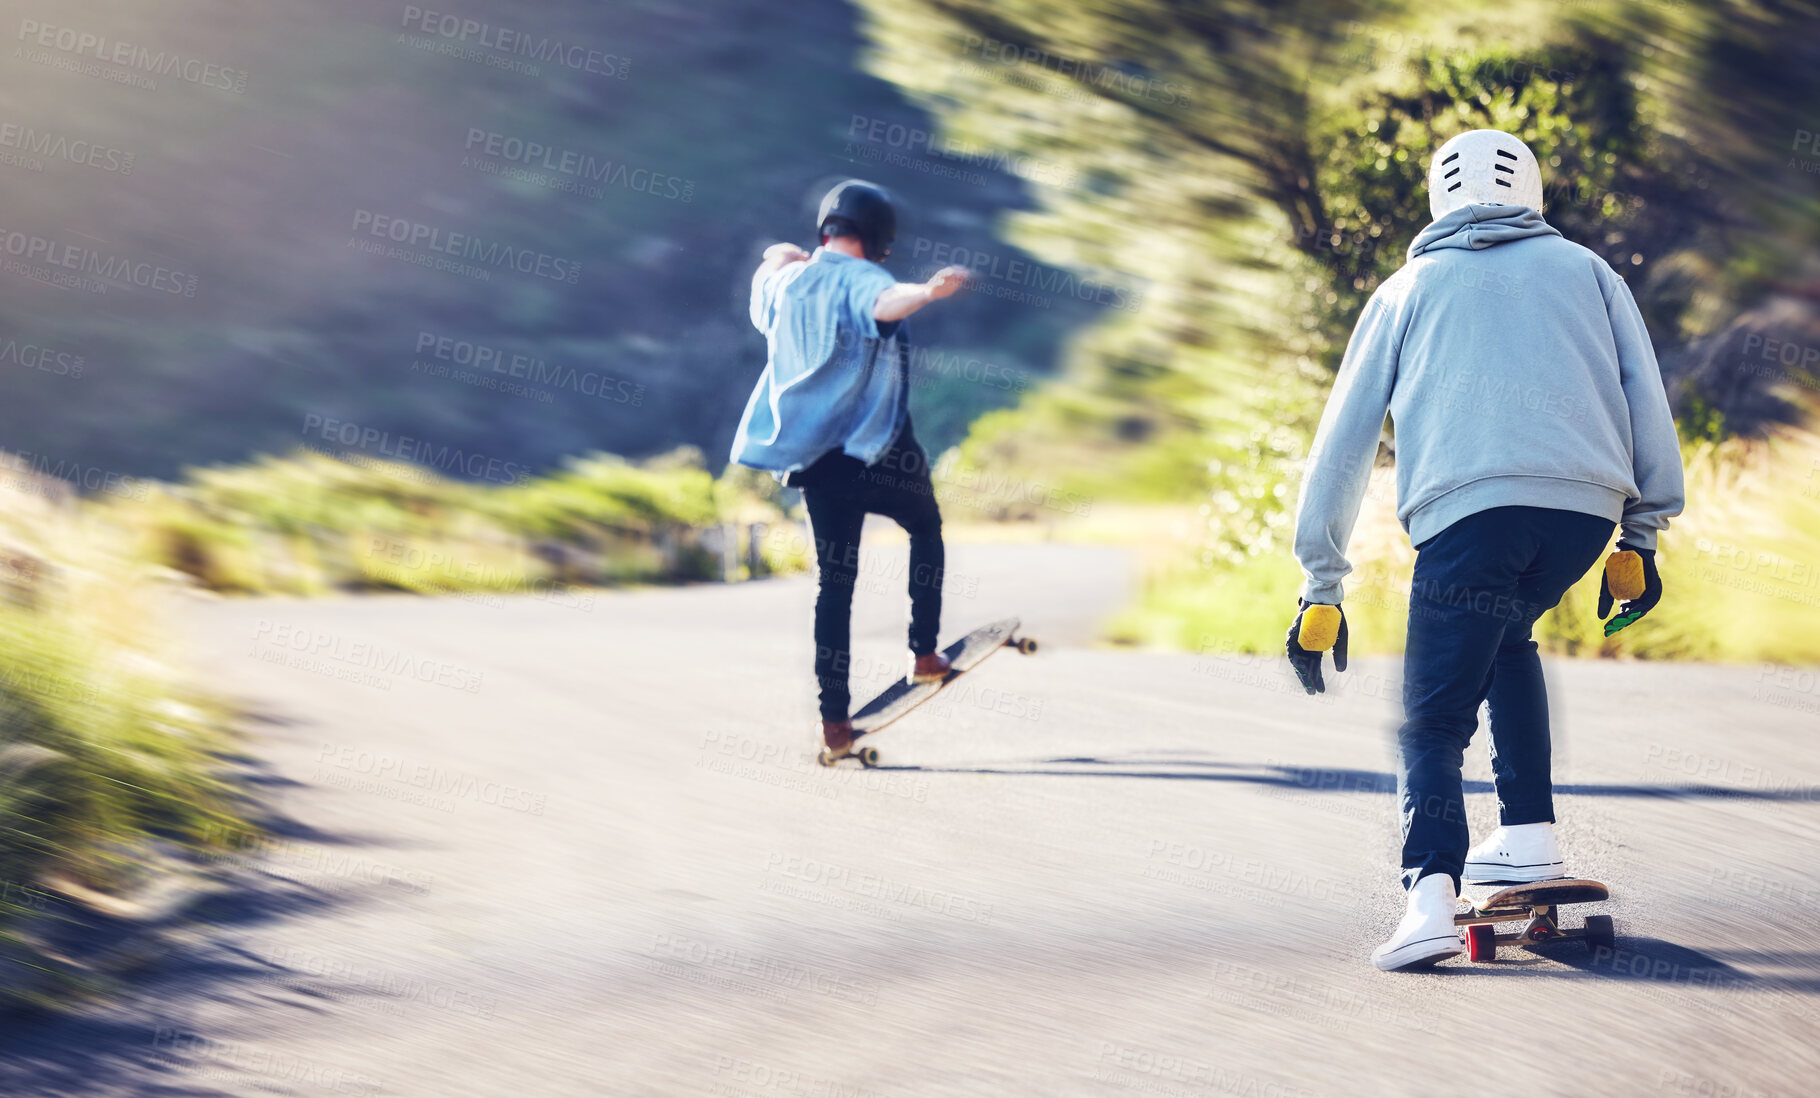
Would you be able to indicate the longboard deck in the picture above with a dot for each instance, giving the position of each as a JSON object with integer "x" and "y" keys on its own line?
{"x": 1521, "y": 897}
{"x": 902, "y": 696}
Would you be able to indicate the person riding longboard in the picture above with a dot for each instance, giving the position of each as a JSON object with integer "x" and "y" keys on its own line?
{"x": 830, "y": 415}
{"x": 1531, "y": 420}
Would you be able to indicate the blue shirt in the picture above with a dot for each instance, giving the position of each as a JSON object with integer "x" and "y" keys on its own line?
{"x": 831, "y": 380}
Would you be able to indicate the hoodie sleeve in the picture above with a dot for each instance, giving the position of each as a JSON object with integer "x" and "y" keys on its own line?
{"x": 1655, "y": 448}
{"x": 1339, "y": 464}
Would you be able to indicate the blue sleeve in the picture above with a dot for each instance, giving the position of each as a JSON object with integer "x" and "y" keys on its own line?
{"x": 764, "y": 296}
{"x": 869, "y": 281}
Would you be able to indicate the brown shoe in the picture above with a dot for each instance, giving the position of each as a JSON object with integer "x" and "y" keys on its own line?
{"x": 931, "y": 668}
{"x": 838, "y": 735}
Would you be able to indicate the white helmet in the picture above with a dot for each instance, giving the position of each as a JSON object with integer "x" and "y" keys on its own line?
{"x": 1488, "y": 167}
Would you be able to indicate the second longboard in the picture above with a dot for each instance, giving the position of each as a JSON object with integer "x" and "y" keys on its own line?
{"x": 903, "y": 695}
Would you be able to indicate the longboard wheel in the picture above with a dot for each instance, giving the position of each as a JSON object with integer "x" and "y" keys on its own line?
{"x": 867, "y": 756}
{"x": 1027, "y": 645}
{"x": 1599, "y": 933}
{"x": 1481, "y": 942}
{"x": 826, "y": 757}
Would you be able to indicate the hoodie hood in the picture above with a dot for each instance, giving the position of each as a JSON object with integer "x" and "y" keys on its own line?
{"x": 1478, "y": 227}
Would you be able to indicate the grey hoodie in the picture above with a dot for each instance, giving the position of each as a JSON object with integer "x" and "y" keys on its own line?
{"x": 1517, "y": 370}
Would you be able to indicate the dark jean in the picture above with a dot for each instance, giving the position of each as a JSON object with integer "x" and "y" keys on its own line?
{"x": 839, "y": 491}
{"x": 1479, "y": 587}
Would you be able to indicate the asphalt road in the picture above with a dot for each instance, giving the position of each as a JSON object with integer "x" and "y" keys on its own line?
{"x": 551, "y": 848}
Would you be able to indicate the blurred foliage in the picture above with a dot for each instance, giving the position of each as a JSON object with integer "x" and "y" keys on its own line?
{"x": 106, "y": 748}
{"x": 1259, "y": 169}
{"x": 1737, "y": 576}
{"x": 312, "y": 522}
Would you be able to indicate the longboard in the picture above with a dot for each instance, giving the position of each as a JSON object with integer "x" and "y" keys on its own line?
{"x": 1536, "y": 903}
{"x": 903, "y": 695}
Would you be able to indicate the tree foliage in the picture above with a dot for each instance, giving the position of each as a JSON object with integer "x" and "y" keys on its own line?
{"x": 1260, "y": 169}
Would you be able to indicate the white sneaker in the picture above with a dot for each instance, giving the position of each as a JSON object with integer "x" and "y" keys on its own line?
{"x": 1427, "y": 933}
{"x": 1517, "y": 854}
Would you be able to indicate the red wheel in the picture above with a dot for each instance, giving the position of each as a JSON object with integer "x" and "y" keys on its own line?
{"x": 1481, "y": 942}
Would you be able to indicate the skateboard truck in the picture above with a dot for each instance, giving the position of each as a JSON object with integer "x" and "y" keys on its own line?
{"x": 867, "y": 756}
{"x": 1538, "y": 905}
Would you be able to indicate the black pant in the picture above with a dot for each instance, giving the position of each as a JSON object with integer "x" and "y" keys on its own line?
{"x": 1479, "y": 587}
{"x": 839, "y": 491}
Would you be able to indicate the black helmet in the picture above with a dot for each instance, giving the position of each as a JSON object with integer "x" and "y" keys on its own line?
{"x": 863, "y": 210}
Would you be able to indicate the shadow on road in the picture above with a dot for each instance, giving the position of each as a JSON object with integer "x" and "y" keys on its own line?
{"x": 131, "y": 1031}
{"x": 1706, "y": 981}
{"x": 142, "y": 1045}
{"x": 1309, "y": 779}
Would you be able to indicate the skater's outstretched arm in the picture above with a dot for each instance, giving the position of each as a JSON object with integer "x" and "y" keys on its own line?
{"x": 905, "y": 298}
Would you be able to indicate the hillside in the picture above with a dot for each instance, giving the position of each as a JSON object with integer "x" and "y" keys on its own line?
{"x": 225, "y": 229}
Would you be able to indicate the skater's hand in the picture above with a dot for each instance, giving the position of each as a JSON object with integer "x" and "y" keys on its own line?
{"x": 1625, "y": 569}
{"x": 1316, "y": 622}
{"x": 946, "y": 281}
{"x": 780, "y": 254}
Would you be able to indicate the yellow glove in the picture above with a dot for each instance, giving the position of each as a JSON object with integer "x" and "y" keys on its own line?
{"x": 1317, "y": 628}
